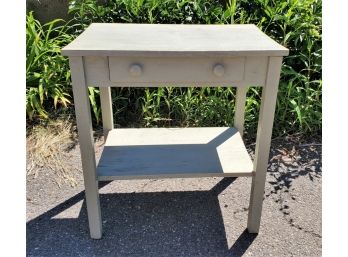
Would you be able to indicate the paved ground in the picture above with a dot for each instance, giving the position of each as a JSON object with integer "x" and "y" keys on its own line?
{"x": 183, "y": 217}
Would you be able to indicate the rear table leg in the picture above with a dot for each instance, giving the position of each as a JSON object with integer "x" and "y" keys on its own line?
{"x": 106, "y": 107}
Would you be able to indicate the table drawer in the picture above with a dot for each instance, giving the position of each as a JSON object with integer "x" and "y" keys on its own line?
{"x": 183, "y": 70}
{"x": 103, "y": 71}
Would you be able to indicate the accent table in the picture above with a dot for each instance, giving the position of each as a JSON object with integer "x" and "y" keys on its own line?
{"x": 154, "y": 55}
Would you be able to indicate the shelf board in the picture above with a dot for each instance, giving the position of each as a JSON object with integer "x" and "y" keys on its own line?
{"x": 173, "y": 153}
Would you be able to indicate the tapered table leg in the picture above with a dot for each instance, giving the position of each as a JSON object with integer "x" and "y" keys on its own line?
{"x": 85, "y": 134}
{"x": 263, "y": 142}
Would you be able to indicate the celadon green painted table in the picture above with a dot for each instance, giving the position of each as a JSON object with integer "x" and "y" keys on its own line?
{"x": 156, "y": 55}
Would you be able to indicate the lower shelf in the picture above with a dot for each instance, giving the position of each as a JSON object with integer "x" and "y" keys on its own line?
{"x": 174, "y": 153}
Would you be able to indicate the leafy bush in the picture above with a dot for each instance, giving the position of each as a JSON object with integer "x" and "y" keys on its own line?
{"x": 293, "y": 23}
{"x": 296, "y": 25}
{"x": 47, "y": 71}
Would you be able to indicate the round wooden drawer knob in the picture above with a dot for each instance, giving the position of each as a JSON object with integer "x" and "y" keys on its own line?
{"x": 219, "y": 70}
{"x": 135, "y": 70}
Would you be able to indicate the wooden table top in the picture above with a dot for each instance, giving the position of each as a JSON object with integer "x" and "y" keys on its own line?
{"x": 116, "y": 39}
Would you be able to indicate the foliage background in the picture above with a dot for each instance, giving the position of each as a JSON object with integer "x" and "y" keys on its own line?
{"x": 295, "y": 24}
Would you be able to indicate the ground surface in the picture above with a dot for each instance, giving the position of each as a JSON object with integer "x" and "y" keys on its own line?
{"x": 182, "y": 217}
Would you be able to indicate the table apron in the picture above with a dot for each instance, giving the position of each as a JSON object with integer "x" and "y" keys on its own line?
{"x": 101, "y": 71}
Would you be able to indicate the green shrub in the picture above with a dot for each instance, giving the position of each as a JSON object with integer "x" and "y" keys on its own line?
{"x": 47, "y": 71}
{"x": 293, "y": 23}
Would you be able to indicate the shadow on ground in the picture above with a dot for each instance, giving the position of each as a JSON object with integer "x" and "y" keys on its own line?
{"x": 187, "y": 223}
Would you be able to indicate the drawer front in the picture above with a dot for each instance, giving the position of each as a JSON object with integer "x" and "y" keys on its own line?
{"x": 103, "y": 71}
{"x": 188, "y": 71}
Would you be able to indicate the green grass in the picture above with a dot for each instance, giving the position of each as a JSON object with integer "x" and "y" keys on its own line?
{"x": 293, "y": 23}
